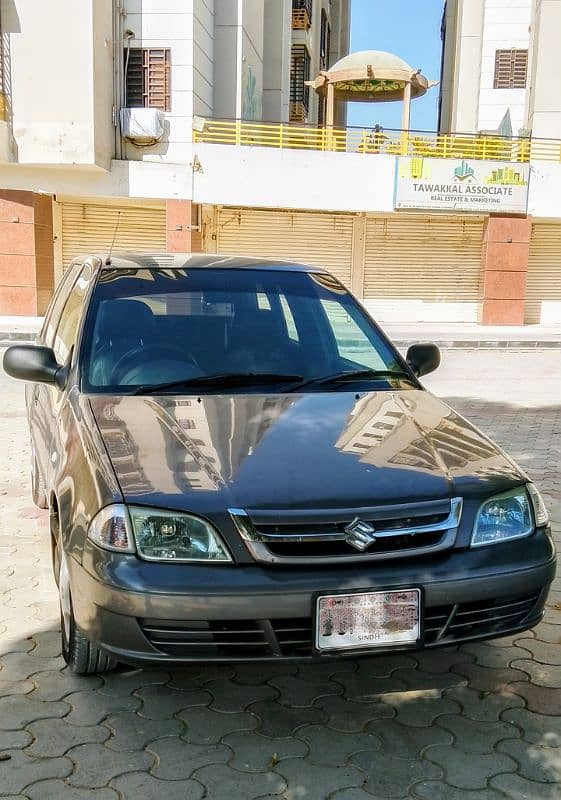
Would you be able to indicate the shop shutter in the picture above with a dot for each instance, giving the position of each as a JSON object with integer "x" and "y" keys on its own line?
{"x": 423, "y": 268}
{"x": 323, "y": 240}
{"x": 90, "y": 227}
{"x": 543, "y": 290}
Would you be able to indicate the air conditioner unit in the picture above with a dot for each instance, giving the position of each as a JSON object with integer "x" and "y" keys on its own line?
{"x": 142, "y": 125}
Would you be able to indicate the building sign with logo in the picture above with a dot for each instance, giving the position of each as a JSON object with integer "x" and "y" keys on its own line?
{"x": 446, "y": 184}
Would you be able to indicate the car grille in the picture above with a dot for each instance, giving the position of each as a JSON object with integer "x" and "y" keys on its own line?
{"x": 302, "y": 538}
{"x": 293, "y": 638}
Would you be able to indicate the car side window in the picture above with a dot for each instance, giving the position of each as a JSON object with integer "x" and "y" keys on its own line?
{"x": 67, "y": 329}
{"x": 57, "y": 304}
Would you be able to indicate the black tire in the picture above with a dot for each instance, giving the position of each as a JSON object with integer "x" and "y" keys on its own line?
{"x": 81, "y": 656}
{"x": 38, "y": 490}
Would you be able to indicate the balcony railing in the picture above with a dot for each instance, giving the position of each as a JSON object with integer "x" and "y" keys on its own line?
{"x": 368, "y": 142}
{"x": 301, "y": 14}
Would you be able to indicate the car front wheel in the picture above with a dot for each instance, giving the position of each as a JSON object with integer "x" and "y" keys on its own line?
{"x": 81, "y": 655}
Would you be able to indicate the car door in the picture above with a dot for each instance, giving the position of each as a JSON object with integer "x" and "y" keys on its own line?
{"x": 37, "y": 394}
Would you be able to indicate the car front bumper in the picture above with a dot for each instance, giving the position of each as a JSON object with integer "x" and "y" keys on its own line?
{"x": 149, "y": 613}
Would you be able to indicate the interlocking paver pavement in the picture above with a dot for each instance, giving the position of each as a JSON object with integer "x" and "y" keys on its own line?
{"x": 477, "y": 722}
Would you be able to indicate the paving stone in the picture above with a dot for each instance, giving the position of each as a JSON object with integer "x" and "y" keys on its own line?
{"x": 541, "y": 764}
{"x": 11, "y": 740}
{"x": 293, "y": 691}
{"x": 141, "y": 786}
{"x": 346, "y": 715}
{"x": 229, "y": 696}
{"x": 15, "y": 687}
{"x": 351, "y": 794}
{"x": 20, "y": 666}
{"x": 390, "y": 776}
{"x": 205, "y": 726}
{"x": 476, "y": 736}
{"x": 334, "y": 751}
{"x": 405, "y": 741}
{"x": 538, "y": 698}
{"x": 161, "y": 702}
{"x": 53, "y": 737}
{"x": 314, "y": 781}
{"x": 518, "y": 788}
{"x": 55, "y": 685}
{"x": 58, "y": 790}
{"x": 278, "y": 721}
{"x": 90, "y": 708}
{"x": 486, "y": 679}
{"x": 16, "y": 711}
{"x": 437, "y": 790}
{"x": 368, "y": 688}
{"x": 196, "y": 675}
{"x": 132, "y": 732}
{"x": 22, "y": 770}
{"x": 493, "y": 656}
{"x": 442, "y": 659}
{"x": 254, "y": 674}
{"x": 123, "y": 682}
{"x": 383, "y": 666}
{"x": 223, "y": 783}
{"x": 96, "y": 764}
{"x": 535, "y": 728}
{"x": 418, "y": 680}
{"x": 256, "y": 753}
{"x": 420, "y": 708}
{"x": 544, "y": 652}
{"x": 541, "y": 674}
{"x": 466, "y": 772}
{"x": 46, "y": 644}
{"x": 327, "y": 670}
{"x": 549, "y": 633}
{"x": 481, "y": 706}
{"x": 177, "y": 759}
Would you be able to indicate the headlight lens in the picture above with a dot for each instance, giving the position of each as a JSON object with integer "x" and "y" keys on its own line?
{"x": 110, "y": 529}
{"x": 505, "y": 516}
{"x": 170, "y": 536}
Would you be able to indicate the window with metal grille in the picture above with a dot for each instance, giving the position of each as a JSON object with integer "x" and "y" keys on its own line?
{"x": 511, "y": 67}
{"x": 299, "y": 74}
{"x": 324, "y": 42}
{"x": 147, "y": 78}
{"x": 301, "y": 13}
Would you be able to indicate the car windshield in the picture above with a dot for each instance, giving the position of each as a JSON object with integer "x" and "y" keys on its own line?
{"x": 252, "y": 329}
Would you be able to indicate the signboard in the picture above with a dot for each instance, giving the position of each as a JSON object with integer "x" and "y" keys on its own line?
{"x": 447, "y": 184}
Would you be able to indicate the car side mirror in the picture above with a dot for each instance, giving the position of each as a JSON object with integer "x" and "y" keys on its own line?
{"x": 30, "y": 362}
{"x": 423, "y": 358}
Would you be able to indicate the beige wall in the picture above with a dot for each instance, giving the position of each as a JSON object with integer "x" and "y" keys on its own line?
{"x": 544, "y": 101}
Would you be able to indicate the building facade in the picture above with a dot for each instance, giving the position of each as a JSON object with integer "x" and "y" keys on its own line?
{"x": 187, "y": 125}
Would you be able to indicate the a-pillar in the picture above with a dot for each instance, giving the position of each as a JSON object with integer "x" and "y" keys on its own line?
{"x": 26, "y": 252}
{"x": 182, "y": 220}
{"x": 506, "y": 244}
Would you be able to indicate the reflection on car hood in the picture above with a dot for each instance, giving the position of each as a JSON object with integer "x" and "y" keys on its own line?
{"x": 326, "y": 450}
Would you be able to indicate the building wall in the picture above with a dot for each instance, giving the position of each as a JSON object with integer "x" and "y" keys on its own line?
{"x": 544, "y": 96}
{"x": 276, "y": 59}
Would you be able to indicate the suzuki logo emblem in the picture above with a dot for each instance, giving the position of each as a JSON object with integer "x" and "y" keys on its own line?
{"x": 360, "y": 534}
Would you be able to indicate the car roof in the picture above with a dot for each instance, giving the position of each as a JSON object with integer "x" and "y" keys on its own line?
{"x": 131, "y": 260}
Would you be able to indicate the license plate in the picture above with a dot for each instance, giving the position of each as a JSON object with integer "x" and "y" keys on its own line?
{"x": 368, "y": 619}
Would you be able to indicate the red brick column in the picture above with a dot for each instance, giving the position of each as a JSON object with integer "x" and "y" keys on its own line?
{"x": 181, "y": 218}
{"x": 506, "y": 244}
{"x": 26, "y": 252}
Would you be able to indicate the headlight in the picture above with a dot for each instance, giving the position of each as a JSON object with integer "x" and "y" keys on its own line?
{"x": 110, "y": 529}
{"x": 505, "y": 516}
{"x": 540, "y": 511}
{"x": 170, "y": 536}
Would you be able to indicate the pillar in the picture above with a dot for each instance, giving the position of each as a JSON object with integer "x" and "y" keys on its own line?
{"x": 182, "y": 217}
{"x": 506, "y": 244}
{"x": 26, "y": 252}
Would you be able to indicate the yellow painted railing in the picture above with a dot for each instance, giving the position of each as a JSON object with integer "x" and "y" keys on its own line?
{"x": 362, "y": 140}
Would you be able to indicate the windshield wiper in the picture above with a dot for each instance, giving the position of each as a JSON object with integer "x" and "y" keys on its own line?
{"x": 227, "y": 379}
{"x": 349, "y": 376}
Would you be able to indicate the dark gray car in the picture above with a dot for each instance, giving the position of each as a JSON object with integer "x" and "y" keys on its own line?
{"x": 239, "y": 465}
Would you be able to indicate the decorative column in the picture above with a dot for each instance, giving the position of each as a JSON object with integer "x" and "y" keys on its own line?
{"x": 26, "y": 252}
{"x": 506, "y": 245}
{"x": 181, "y": 221}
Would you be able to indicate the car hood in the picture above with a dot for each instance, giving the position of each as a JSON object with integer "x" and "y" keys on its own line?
{"x": 316, "y": 450}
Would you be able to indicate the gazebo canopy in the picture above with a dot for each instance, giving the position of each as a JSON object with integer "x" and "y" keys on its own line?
{"x": 371, "y": 76}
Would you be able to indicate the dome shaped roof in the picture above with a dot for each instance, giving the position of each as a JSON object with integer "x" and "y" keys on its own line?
{"x": 377, "y": 59}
